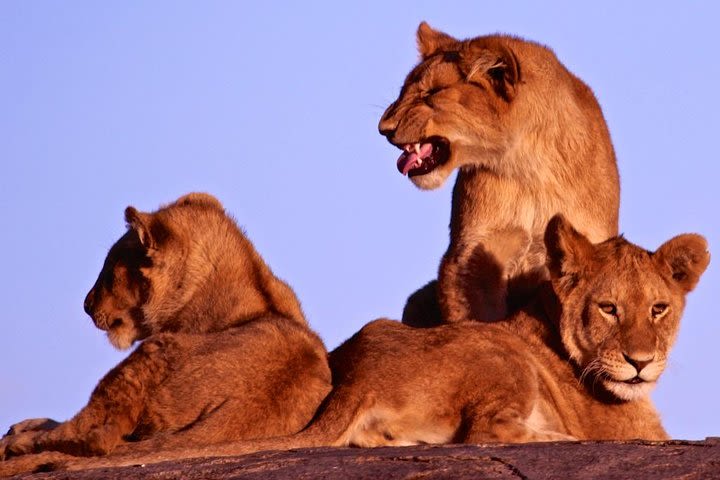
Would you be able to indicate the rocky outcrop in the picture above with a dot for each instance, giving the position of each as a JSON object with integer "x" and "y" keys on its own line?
{"x": 606, "y": 460}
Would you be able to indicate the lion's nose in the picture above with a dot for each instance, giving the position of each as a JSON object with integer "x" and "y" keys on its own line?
{"x": 89, "y": 302}
{"x": 388, "y": 124}
{"x": 387, "y": 129}
{"x": 637, "y": 363}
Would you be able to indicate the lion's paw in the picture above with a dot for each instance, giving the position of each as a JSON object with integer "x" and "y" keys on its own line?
{"x": 41, "y": 462}
{"x": 18, "y": 444}
{"x": 550, "y": 436}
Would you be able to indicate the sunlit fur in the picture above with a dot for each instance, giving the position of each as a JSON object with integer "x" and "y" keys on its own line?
{"x": 528, "y": 140}
{"x": 431, "y": 180}
{"x": 553, "y": 371}
{"x": 224, "y": 351}
{"x": 123, "y": 336}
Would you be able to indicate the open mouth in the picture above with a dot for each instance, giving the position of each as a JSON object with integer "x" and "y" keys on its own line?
{"x": 423, "y": 157}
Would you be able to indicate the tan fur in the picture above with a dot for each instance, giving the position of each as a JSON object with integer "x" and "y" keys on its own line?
{"x": 562, "y": 369}
{"x": 528, "y": 139}
{"x": 225, "y": 352}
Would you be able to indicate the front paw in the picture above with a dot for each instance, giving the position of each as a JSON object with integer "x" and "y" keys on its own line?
{"x": 551, "y": 436}
{"x": 32, "y": 425}
{"x": 18, "y": 444}
{"x": 41, "y": 462}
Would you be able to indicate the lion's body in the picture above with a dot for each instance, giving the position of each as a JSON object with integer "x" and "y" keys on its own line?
{"x": 576, "y": 364}
{"x": 460, "y": 384}
{"x": 251, "y": 381}
{"x": 225, "y": 352}
{"x": 529, "y": 141}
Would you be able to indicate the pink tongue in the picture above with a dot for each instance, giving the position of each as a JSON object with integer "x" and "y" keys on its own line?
{"x": 407, "y": 162}
{"x": 410, "y": 160}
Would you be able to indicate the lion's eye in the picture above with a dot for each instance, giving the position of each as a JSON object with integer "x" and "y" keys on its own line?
{"x": 658, "y": 309}
{"x": 608, "y": 308}
{"x": 433, "y": 91}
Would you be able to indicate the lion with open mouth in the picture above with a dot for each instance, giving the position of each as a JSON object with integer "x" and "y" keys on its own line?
{"x": 528, "y": 139}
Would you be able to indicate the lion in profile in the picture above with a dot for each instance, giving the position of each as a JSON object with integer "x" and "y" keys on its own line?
{"x": 528, "y": 139}
{"x": 225, "y": 352}
{"x": 576, "y": 364}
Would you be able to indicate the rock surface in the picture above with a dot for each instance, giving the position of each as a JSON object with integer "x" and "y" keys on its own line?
{"x": 606, "y": 460}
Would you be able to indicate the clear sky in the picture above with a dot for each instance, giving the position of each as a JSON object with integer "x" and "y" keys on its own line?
{"x": 274, "y": 108}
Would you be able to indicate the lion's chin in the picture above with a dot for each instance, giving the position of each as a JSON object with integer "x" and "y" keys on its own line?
{"x": 123, "y": 336}
{"x": 627, "y": 391}
{"x": 429, "y": 181}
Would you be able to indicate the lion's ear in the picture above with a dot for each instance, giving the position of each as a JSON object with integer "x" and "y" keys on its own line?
{"x": 569, "y": 252}
{"x": 499, "y": 66}
{"x": 683, "y": 259}
{"x": 430, "y": 41}
{"x": 142, "y": 224}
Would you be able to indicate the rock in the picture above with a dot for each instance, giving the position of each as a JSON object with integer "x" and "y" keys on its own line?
{"x": 565, "y": 460}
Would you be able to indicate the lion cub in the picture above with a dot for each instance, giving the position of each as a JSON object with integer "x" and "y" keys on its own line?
{"x": 528, "y": 139}
{"x": 577, "y": 364}
{"x": 225, "y": 352}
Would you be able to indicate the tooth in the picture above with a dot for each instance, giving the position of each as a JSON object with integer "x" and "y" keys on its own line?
{"x": 417, "y": 149}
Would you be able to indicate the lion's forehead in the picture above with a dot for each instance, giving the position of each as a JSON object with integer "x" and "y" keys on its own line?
{"x": 635, "y": 281}
{"x": 442, "y": 69}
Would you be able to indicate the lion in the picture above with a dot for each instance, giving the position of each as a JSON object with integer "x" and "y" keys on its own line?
{"x": 224, "y": 353}
{"x": 528, "y": 139}
{"x": 576, "y": 364}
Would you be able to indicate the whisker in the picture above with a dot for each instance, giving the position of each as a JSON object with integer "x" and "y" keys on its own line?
{"x": 591, "y": 367}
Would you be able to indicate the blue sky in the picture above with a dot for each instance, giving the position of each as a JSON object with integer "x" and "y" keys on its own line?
{"x": 274, "y": 109}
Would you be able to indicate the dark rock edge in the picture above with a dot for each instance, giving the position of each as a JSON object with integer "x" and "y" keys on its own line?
{"x": 558, "y": 460}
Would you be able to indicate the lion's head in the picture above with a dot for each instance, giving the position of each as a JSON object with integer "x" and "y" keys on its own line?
{"x": 472, "y": 102}
{"x": 621, "y": 304}
{"x": 185, "y": 267}
{"x": 141, "y": 283}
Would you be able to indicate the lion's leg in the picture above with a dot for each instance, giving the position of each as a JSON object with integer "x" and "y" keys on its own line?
{"x": 337, "y": 424}
{"x": 422, "y": 309}
{"x": 510, "y": 425}
{"x": 39, "y": 462}
{"x": 472, "y": 285}
{"x": 230, "y": 421}
{"x": 473, "y": 276}
{"x": 112, "y": 412}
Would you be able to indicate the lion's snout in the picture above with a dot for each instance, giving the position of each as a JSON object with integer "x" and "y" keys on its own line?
{"x": 89, "y": 304}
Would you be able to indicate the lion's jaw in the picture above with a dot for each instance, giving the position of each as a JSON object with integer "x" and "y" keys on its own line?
{"x": 430, "y": 181}
{"x": 123, "y": 336}
{"x": 624, "y": 380}
{"x": 626, "y": 391}
{"x": 431, "y": 160}
{"x": 612, "y": 371}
